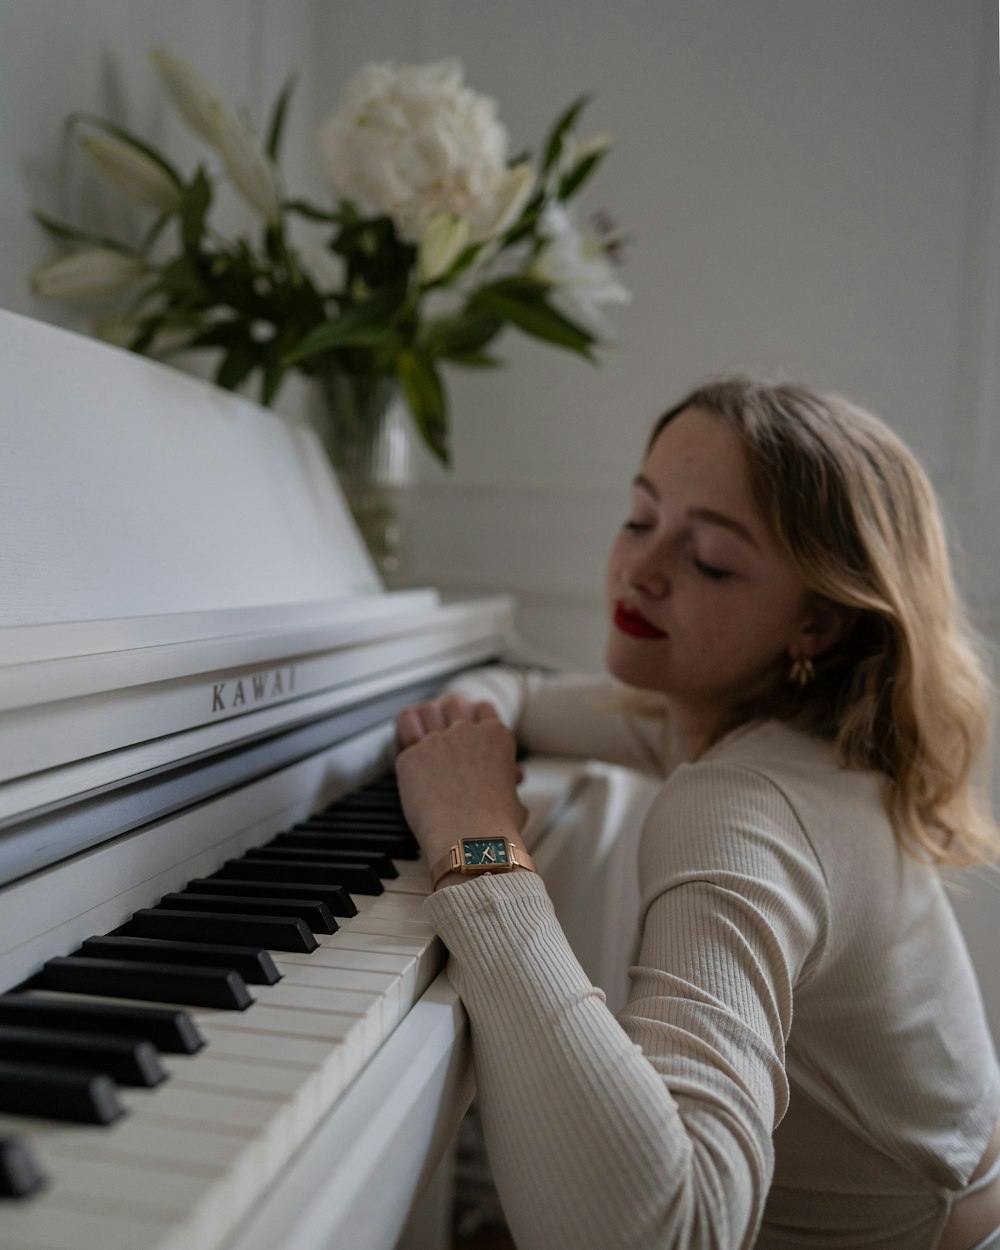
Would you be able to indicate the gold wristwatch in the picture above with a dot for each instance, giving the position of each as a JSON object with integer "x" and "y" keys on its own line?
{"x": 475, "y": 855}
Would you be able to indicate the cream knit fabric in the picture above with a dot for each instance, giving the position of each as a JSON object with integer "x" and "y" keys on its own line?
{"x": 803, "y": 1060}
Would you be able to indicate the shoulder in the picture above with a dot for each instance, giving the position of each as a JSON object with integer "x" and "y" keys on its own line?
{"x": 738, "y": 811}
{"x": 724, "y": 831}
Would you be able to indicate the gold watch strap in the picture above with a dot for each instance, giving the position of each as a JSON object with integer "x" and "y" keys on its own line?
{"x": 451, "y": 861}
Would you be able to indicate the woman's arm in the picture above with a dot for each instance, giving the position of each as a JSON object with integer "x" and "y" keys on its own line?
{"x": 573, "y": 714}
{"x": 652, "y": 1130}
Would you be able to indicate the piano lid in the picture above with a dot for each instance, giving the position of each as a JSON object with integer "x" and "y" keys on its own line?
{"x": 179, "y": 577}
{"x": 129, "y": 489}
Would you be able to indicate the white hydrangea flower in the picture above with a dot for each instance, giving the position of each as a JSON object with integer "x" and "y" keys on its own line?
{"x": 575, "y": 262}
{"x": 413, "y": 142}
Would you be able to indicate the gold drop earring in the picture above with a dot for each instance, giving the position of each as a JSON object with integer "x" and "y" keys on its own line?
{"x": 802, "y": 671}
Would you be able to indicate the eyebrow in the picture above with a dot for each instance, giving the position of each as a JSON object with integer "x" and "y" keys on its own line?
{"x": 701, "y": 514}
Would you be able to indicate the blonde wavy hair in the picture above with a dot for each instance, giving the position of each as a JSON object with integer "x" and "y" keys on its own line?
{"x": 907, "y": 690}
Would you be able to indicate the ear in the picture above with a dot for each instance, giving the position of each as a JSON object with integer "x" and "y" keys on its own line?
{"x": 826, "y": 623}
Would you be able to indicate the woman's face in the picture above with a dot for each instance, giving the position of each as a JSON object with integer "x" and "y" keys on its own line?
{"x": 703, "y": 603}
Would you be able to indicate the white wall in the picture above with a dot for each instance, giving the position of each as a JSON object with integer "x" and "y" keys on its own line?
{"x": 814, "y": 188}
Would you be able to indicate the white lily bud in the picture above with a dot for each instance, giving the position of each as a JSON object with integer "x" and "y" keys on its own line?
{"x": 133, "y": 173}
{"x": 88, "y": 274}
{"x": 443, "y": 242}
{"x": 515, "y": 187}
{"x": 598, "y": 142}
{"x": 246, "y": 163}
{"x": 191, "y": 94}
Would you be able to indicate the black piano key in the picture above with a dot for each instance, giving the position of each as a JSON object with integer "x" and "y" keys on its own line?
{"x": 380, "y": 864}
{"x": 58, "y": 1093}
{"x": 169, "y": 1030}
{"x": 277, "y": 933}
{"x": 394, "y": 845}
{"x": 334, "y": 897}
{"x": 355, "y": 822}
{"x": 357, "y": 880}
{"x": 313, "y": 913}
{"x": 367, "y": 800}
{"x": 160, "y": 983}
{"x": 20, "y": 1175}
{"x": 128, "y": 1060}
{"x": 254, "y": 965}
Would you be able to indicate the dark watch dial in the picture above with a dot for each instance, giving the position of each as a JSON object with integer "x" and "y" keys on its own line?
{"x": 484, "y": 852}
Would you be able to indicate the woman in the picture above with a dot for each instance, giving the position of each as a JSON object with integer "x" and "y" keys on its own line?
{"x": 803, "y": 1059}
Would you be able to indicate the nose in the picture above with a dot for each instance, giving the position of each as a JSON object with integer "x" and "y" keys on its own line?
{"x": 647, "y": 573}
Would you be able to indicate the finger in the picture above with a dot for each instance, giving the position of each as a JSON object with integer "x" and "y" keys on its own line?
{"x": 484, "y": 711}
{"x": 409, "y": 727}
{"x": 456, "y": 707}
{"x": 432, "y": 715}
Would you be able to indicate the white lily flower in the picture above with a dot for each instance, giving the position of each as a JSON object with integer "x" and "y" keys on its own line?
{"x": 133, "y": 173}
{"x": 246, "y": 163}
{"x": 443, "y": 242}
{"x": 575, "y": 263}
{"x": 191, "y": 94}
{"x": 88, "y": 274}
{"x": 512, "y": 194}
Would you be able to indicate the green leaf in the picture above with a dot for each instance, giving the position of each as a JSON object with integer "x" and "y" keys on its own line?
{"x": 558, "y": 133}
{"x": 278, "y": 119}
{"x": 579, "y": 174}
{"x": 194, "y": 207}
{"x": 70, "y": 234}
{"x": 182, "y": 280}
{"x": 236, "y": 366}
{"x": 425, "y": 396}
{"x": 364, "y": 324}
{"x": 462, "y": 335}
{"x": 126, "y": 136}
{"x": 529, "y": 310}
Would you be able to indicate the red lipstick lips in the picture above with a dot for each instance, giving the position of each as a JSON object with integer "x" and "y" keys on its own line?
{"x": 634, "y": 623}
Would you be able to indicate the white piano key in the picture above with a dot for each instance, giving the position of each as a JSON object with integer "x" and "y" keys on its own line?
{"x": 295, "y": 1052}
{"x": 155, "y": 1192}
{"x": 50, "y": 1224}
{"x": 387, "y": 925}
{"x": 405, "y": 966}
{"x": 231, "y": 1073}
{"x": 130, "y": 1138}
{"x": 386, "y": 987}
{"x": 404, "y": 906}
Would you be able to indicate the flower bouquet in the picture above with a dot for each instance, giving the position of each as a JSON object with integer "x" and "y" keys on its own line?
{"x": 434, "y": 241}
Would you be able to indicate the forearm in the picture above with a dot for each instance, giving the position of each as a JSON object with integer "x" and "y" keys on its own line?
{"x": 589, "y": 1146}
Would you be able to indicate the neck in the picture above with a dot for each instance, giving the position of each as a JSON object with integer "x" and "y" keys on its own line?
{"x": 691, "y": 731}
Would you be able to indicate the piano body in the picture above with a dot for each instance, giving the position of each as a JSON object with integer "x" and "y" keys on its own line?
{"x": 199, "y": 670}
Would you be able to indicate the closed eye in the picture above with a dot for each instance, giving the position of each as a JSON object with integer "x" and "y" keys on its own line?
{"x": 637, "y": 527}
{"x": 707, "y": 570}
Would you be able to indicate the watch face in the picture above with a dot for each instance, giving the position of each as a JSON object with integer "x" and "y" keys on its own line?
{"x": 484, "y": 852}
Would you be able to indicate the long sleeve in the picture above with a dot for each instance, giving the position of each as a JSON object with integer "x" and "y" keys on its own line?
{"x": 571, "y": 714}
{"x": 652, "y": 1130}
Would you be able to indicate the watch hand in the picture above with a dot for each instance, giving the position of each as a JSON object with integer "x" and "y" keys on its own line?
{"x": 488, "y": 855}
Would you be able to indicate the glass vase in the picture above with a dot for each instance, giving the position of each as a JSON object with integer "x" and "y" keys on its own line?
{"x": 365, "y": 429}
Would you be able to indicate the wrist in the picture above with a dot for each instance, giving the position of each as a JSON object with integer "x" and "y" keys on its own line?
{"x": 463, "y": 878}
{"x": 470, "y": 857}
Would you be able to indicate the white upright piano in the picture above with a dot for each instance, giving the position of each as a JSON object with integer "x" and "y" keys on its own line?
{"x": 199, "y": 671}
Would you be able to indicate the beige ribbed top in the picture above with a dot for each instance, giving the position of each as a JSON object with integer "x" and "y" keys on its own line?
{"x": 803, "y": 1059}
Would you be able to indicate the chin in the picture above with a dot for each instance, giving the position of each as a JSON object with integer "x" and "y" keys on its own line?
{"x": 632, "y": 670}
